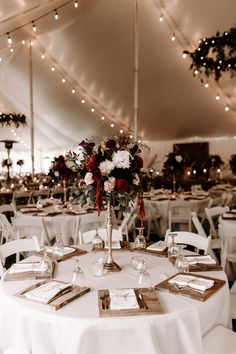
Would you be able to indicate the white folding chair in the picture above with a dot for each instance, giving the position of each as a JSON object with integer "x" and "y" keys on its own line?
{"x": 87, "y": 236}
{"x": 179, "y": 213}
{"x": 212, "y": 217}
{"x": 43, "y": 193}
{"x": 227, "y": 233}
{"x": 21, "y": 198}
{"x": 17, "y": 246}
{"x": 199, "y": 242}
{"x": 27, "y": 226}
{"x": 232, "y": 293}
{"x": 87, "y": 222}
{"x": 215, "y": 243}
{"x": 219, "y": 340}
{"x": 227, "y": 199}
{"x": 7, "y": 231}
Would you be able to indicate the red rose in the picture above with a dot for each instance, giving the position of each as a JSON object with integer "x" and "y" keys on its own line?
{"x": 91, "y": 163}
{"x": 122, "y": 185}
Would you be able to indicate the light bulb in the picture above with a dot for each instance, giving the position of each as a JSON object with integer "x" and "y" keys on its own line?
{"x": 206, "y": 85}
{"x": 173, "y": 37}
{"x": 121, "y": 131}
{"x": 56, "y": 15}
{"x": 92, "y": 109}
{"x": 112, "y": 125}
{"x": 34, "y": 27}
{"x": 76, "y": 4}
{"x": 9, "y": 40}
{"x": 63, "y": 80}
{"x": 43, "y": 56}
{"x": 102, "y": 118}
{"x": 161, "y": 18}
{"x": 184, "y": 56}
{"x": 23, "y": 41}
{"x": 83, "y": 101}
{"x": 52, "y": 68}
{"x": 217, "y": 97}
{"x": 73, "y": 90}
{"x": 226, "y": 109}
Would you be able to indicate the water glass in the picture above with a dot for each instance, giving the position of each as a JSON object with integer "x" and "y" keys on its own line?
{"x": 78, "y": 274}
{"x": 140, "y": 241}
{"x": 144, "y": 280}
{"x": 97, "y": 242}
{"x": 58, "y": 247}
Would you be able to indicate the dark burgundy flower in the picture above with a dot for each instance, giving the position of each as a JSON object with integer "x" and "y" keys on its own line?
{"x": 97, "y": 175}
{"x": 110, "y": 144}
{"x": 91, "y": 163}
{"x": 122, "y": 185}
{"x": 138, "y": 162}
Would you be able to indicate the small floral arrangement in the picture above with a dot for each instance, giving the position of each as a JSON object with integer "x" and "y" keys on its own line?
{"x": 174, "y": 164}
{"x": 214, "y": 161}
{"x": 110, "y": 169}
{"x": 20, "y": 163}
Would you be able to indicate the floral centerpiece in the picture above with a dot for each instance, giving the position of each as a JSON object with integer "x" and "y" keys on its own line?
{"x": 174, "y": 164}
{"x": 109, "y": 170}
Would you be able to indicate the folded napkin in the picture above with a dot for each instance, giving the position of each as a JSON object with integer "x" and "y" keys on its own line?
{"x": 192, "y": 282}
{"x": 47, "y": 291}
{"x": 123, "y": 299}
{"x": 228, "y": 216}
{"x": 27, "y": 268}
{"x": 42, "y": 213}
{"x": 157, "y": 246}
{"x": 201, "y": 259}
{"x": 28, "y": 210}
{"x": 114, "y": 244}
{"x": 64, "y": 251}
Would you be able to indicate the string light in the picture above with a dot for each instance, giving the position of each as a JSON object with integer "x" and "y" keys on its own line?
{"x": 112, "y": 125}
{"x": 226, "y": 108}
{"x": 9, "y": 40}
{"x": 184, "y": 55}
{"x": 52, "y": 68}
{"x": 102, "y": 117}
{"x": 173, "y": 37}
{"x": 34, "y": 27}
{"x": 43, "y": 56}
{"x": 23, "y": 42}
{"x": 206, "y": 85}
{"x": 73, "y": 90}
{"x": 161, "y": 18}
{"x": 217, "y": 98}
{"x": 92, "y": 109}
{"x": 83, "y": 101}
{"x": 76, "y": 4}
{"x": 56, "y": 15}
{"x": 63, "y": 80}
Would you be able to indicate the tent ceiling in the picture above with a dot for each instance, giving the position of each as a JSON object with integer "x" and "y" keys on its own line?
{"x": 92, "y": 46}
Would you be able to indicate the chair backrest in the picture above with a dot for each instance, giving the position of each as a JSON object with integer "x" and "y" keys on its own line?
{"x": 212, "y": 215}
{"x": 199, "y": 242}
{"x": 44, "y": 193}
{"x": 197, "y": 224}
{"x": 227, "y": 198}
{"x": 17, "y": 246}
{"x": 227, "y": 233}
{"x": 21, "y": 198}
{"x": 88, "y": 222}
{"x": 179, "y": 213}
{"x": 26, "y": 226}
{"x": 7, "y": 231}
{"x": 87, "y": 236}
{"x": 126, "y": 223}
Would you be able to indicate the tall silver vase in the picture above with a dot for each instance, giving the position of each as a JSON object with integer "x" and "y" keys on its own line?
{"x": 110, "y": 265}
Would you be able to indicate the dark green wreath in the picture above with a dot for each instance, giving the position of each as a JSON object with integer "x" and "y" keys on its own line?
{"x": 8, "y": 119}
{"x": 215, "y": 55}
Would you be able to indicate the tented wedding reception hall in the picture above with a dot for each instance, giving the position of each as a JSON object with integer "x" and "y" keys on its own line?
{"x": 117, "y": 177}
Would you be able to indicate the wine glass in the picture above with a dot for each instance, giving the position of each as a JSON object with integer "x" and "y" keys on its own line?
{"x": 97, "y": 242}
{"x": 45, "y": 263}
{"x": 78, "y": 274}
{"x": 140, "y": 241}
{"x": 58, "y": 246}
{"x": 181, "y": 263}
{"x": 173, "y": 249}
{"x": 39, "y": 204}
{"x": 144, "y": 280}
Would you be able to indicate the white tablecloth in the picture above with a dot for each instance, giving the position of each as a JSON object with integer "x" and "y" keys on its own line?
{"x": 77, "y": 329}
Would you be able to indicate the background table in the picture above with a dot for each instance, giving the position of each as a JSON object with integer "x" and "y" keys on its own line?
{"x": 77, "y": 328}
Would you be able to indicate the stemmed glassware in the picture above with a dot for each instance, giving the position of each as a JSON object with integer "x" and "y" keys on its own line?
{"x": 78, "y": 274}
{"x": 58, "y": 246}
{"x": 97, "y": 242}
{"x": 46, "y": 263}
{"x": 140, "y": 241}
{"x": 181, "y": 263}
{"x": 173, "y": 249}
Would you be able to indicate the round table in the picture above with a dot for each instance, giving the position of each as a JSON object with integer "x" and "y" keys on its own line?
{"x": 76, "y": 328}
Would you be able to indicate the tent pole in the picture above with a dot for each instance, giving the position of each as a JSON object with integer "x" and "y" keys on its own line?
{"x": 31, "y": 105}
{"x": 136, "y": 68}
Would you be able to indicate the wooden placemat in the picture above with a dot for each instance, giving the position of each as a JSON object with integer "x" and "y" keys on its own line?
{"x": 148, "y": 301}
{"x": 59, "y": 301}
{"x": 30, "y": 275}
{"x": 152, "y": 252}
{"x": 125, "y": 246}
{"x": 55, "y": 257}
{"x": 190, "y": 292}
{"x": 198, "y": 267}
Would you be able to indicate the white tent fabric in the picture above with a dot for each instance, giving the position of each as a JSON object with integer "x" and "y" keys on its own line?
{"x": 92, "y": 47}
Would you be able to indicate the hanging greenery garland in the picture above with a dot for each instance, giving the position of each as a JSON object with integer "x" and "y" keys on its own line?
{"x": 8, "y": 119}
{"x": 215, "y": 55}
